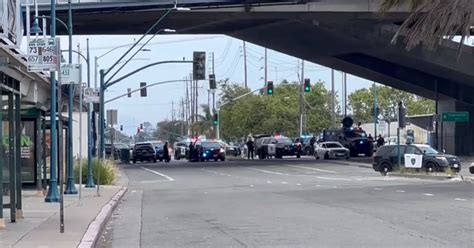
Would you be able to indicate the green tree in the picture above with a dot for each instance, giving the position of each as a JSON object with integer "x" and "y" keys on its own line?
{"x": 168, "y": 130}
{"x": 279, "y": 113}
{"x": 361, "y": 103}
{"x": 204, "y": 124}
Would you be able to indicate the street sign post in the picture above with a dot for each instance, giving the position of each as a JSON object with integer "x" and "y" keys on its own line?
{"x": 455, "y": 117}
{"x": 70, "y": 73}
{"x": 112, "y": 117}
{"x": 91, "y": 95}
{"x": 43, "y": 55}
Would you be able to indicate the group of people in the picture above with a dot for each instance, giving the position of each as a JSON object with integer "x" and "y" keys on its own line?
{"x": 380, "y": 140}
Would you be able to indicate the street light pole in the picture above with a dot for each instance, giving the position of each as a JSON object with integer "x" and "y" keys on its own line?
{"x": 70, "y": 184}
{"x": 53, "y": 193}
{"x": 90, "y": 178}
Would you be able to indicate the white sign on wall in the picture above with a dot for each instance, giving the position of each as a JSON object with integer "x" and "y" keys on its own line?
{"x": 413, "y": 160}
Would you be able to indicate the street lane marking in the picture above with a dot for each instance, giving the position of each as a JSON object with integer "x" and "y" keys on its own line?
{"x": 284, "y": 183}
{"x": 428, "y": 194}
{"x": 251, "y": 185}
{"x": 377, "y": 188}
{"x": 155, "y": 181}
{"x": 335, "y": 178}
{"x": 159, "y": 174}
{"x": 400, "y": 191}
{"x": 298, "y": 184}
{"x": 210, "y": 171}
{"x": 311, "y": 168}
{"x": 269, "y": 181}
{"x": 270, "y": 172}
{"x": 459, "y": 199}
{"x": 284, "y": 174}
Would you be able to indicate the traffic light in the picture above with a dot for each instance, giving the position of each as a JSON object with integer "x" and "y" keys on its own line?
{"x": 143, "y": 92}
{"x": 129, "y": 92}
{"x": 270, "y": 88}
{"x": 121, "y": 127}
{"x": 141, "y": 126}
{"x": 199, "y": 65}
{"x": 307, "y": 85}
{"x": 216, "y": 119}
{"x": 375, "y": 111}
{"x": 212, "y": 82}
{"x": 402, "y": 122}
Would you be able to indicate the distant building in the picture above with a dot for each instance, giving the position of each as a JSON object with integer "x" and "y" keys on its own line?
{"x": 422, "y": 126}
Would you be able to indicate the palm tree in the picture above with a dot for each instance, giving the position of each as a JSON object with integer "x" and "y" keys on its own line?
{"x": 203, "y": 125}
{"x": 432, "y": 21}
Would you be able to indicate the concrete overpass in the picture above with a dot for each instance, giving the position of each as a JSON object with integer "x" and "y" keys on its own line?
{"x": 347, "y": 35}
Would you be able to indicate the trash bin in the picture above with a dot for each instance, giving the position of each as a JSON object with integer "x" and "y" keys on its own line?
{"x": 125, "y": 155}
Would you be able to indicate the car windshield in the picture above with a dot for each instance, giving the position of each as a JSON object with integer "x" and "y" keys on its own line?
{"x": 284, "y": 141}
{"x": 159, "y": 146}
{"x": 333, "y": 145}
{"x": 428, "y": 150}
{"x": 212, "y": 145}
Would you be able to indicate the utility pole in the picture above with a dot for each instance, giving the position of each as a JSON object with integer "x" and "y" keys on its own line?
{"x": 196, "y": 90}
{"x": 245, "y": 64}
{"x": 375, "y": 110}
{"x": 301, "y": 98}
{"x": 344, "y": 92}
{"x": 333, "y": 100}
{"x": 172, "y": 110}
{"x": 183, "y": 114}
{"x": 266, "y": 71}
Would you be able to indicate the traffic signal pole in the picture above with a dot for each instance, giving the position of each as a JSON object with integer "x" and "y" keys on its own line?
{"x": 301, "y": 98}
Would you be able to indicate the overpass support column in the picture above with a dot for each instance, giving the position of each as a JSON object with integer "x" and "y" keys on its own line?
{"x": 456, "y": 138}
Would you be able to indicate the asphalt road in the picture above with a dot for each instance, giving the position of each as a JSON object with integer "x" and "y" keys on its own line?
{"x": 287, "y": 203}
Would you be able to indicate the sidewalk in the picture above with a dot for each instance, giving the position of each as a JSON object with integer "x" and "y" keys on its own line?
{"x": 40, "y": 227}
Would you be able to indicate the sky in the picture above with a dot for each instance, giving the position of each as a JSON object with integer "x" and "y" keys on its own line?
{"x": 229, "y": 63}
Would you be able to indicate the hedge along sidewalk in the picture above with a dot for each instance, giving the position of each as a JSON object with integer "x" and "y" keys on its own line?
{"x": 40, "y": 228}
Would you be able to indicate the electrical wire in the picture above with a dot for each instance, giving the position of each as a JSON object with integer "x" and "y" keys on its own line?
{"x": 159, "y": 42}
{"x": 224, "y": 54}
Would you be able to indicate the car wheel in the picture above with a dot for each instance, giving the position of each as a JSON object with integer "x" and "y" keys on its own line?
{"x": 326, "y": 155}
{"x": 216, "y": 159}
{"x": 430, "y": 167}
{"x": 154, "y": 160}
{"x": 134, "y": 161}
{"x": 223, "y": 159}
{"x": 385, "y": 168}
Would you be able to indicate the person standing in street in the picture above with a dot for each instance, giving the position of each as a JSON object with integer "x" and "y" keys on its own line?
{"x": 250, "y": 148}
{"x": 380, "y": 141}
{"x": 166, "y": 153}
{"x": 311, "y": 144}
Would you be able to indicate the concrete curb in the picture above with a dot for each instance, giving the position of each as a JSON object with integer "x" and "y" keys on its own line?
{"x": 94, "y": 231}
{"x": 423, "y": 176}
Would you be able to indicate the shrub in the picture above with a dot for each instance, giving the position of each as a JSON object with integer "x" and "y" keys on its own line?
{"x": 108, "y": 171}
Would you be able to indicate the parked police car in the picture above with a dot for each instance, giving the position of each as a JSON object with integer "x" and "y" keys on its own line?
{"x": 386, "y": 158}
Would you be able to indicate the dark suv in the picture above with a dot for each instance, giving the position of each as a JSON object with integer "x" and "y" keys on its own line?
{"x": 386, "y": 158}
{"x": 144, "y": 151}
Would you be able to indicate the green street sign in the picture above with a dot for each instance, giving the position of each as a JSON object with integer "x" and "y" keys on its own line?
{"x": 455, "y": 117}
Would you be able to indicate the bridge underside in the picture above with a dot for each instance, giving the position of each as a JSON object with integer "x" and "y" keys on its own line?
{"x": 355, "y": 42}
